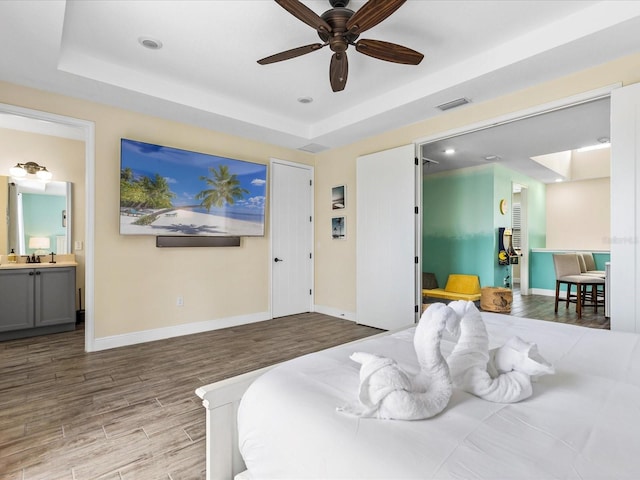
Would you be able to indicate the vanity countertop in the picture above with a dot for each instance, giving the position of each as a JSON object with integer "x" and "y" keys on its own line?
{"x": 9, "y": 266}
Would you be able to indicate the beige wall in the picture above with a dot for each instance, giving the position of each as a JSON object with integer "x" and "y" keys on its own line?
{"x": 137, "y": 284}
{"x": 579, "y": 215}
{"x": 335, "y": 262}
{"x": 590, "y": 164}
{"x": 65, "y": 159}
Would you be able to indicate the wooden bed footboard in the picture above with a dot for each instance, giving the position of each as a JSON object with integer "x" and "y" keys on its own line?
{"x": 221, "y": 400}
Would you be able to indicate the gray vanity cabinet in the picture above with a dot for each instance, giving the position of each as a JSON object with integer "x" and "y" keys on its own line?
{"x": 36, "y": 301}
{"x": 16, "y": 299}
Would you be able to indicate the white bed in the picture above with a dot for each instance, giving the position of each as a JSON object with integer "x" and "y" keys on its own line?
{"x": 581, "y": 423}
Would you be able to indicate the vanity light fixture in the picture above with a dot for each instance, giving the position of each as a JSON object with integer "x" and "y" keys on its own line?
{"x": 30, "y": 168}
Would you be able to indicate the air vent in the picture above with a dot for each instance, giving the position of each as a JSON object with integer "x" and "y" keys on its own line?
{"x": 454, "y": 104}
{"x": 313, "y": 148}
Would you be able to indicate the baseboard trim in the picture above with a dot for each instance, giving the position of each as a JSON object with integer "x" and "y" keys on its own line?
{"x": 123, "y": 340}
{"x": 542, "y": 291}
{"x": 334, "y": 312}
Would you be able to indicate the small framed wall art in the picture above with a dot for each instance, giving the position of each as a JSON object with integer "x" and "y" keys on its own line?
{"x": 338, "y": 228}
{"x": 338, "y": 197}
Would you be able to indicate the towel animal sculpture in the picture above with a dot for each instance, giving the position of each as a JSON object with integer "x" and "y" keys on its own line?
{"x": 389, "y": 392}
{"x": 501, "y": 375}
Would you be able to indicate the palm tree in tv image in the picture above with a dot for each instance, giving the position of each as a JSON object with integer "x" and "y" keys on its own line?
{"x": 157, "y": 191}
{"x": 224, "y": 188}
{"x": 140, "y": 194}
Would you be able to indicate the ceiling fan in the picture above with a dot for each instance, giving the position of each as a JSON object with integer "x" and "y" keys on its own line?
{"x": 340, "y": 27}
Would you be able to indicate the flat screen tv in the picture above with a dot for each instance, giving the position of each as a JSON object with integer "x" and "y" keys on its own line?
{"x": 166, "y": 191}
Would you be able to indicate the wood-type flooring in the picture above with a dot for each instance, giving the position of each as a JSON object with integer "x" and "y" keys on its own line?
{"x": 131, "y": 412}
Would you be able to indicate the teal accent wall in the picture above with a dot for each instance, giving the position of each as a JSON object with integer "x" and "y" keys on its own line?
{"x": 42, "y": 217}
{"x": 542, "y": 272}
{"x": 457, "y": 228}
{"x": 461, "y": 220}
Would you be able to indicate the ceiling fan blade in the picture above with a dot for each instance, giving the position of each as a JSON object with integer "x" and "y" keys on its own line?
{"x": 338, "y": 71}
{"x": 371, "y": 14}
{"x": 304, "y": 14}
{"x": 389, "y": 52}
{"x": 294, "y": 52}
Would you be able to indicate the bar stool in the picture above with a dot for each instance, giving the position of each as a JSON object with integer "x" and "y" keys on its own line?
{"x": 568, "y": 272}
{"x": 588, "y": 267}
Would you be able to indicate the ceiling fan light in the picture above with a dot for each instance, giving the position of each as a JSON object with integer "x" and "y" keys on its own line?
{"x": 338, "y": 28}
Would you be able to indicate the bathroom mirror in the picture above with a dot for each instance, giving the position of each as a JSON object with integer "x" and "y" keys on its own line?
{"x": 38, "y": 216}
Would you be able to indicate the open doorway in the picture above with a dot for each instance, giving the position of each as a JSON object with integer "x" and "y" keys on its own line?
{"x": 520, "y": 238}
{"x": 48, "y": 124}
{"x": 491, "y": 158}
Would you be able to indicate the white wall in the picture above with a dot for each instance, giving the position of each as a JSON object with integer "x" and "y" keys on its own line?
{"x": 579, "y": 215}
{"x": 591, "y": 164}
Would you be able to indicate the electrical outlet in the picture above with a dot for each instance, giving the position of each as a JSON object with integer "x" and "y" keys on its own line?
{"x": 180, "y": 301}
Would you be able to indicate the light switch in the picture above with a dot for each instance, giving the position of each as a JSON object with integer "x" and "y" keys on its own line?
{"x": 77, "y": 245}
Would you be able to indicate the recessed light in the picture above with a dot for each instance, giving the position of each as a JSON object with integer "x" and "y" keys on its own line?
{"x": 450, "y": 151}
{"x": 150, "y": 43}
{"x": 558, "y": 180}
{"x": 492, "y": 158}
{"x": 305, "y": 100}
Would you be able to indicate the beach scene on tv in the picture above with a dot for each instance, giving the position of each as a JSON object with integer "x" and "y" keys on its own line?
{"x": 168, "y": 191}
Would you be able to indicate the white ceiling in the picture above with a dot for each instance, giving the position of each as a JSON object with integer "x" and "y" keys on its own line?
{"x": 206, "y": 73}
{"x": 515, "y": 143}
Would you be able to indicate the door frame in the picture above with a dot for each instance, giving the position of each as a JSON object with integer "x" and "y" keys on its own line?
{"x": 311, "y": 170}
{"x": 583, "y": 97}
{"x": 624, "y": 275}
{"x": 524, "y": 238}
{"x": 88, "y": 131}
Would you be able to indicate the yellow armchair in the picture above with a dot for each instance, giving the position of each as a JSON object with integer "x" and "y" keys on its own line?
{"x": 459, "y": 287}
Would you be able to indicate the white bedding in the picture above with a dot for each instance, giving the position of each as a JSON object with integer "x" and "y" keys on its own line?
{"x": 581, "y": 423}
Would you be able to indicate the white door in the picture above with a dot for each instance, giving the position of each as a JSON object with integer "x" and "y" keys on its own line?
{"x": 386, "y": 253}
{"x": 291, "y": 238}
{"x": 625, "y": 209}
